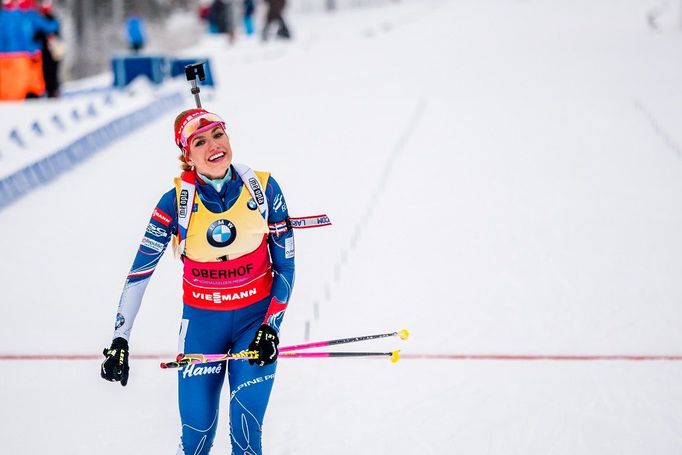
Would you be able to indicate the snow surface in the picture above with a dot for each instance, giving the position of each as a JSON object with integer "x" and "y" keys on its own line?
{"x": 503, "y": 177}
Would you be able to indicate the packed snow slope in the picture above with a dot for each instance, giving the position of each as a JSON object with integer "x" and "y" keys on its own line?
{"x": 503, "y": 177}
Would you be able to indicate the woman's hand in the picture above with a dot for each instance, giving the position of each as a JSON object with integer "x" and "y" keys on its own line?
{"x": 265, "y": 343}
{"x": 115, "y": 367}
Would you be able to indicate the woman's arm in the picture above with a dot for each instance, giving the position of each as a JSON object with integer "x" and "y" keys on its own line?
{"x": 281, "y": 243}
{"x": 162, "y": 225}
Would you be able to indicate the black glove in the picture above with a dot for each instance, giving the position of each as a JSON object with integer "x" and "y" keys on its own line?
{"x": 265, "y": 343}
{"x": 115, "y": 366}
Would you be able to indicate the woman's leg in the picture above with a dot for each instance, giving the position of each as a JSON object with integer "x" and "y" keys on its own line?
{"x": 250, "y": 387}
{"x": 199, "y": 385}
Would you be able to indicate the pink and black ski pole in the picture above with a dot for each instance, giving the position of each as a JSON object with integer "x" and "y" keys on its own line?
{"x": 402, "y": 334}
{"x": 394, "y": 355}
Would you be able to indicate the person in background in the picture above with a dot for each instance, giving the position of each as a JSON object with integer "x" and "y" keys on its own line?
{"x": 221, "y": 18}
{"x": 203, "y": 13}
{"x": 249, "y": 8}
{"x": 230, "y": 226}
{"x": 136, "y": 33}
{"x": 21, "y": 67}
{"x": 53, "y": 51}
{"x": 274, "y": 15}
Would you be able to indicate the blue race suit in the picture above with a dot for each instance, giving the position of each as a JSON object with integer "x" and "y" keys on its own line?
{"x": 217, "y": 331}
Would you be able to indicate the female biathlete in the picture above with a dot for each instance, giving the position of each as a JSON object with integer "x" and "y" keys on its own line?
{"x": 231, "y": 227}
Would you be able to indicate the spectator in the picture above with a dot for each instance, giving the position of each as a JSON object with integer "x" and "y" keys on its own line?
{"x": 203, "y": 11}
{"x": 52, "y": 48}
{"x": 274, "y": 15}
{"x": 136, "y": 34}
{"x": 221, "y": 18}
{"x": 21, "y": 68}
{"x": 249, "y": 7}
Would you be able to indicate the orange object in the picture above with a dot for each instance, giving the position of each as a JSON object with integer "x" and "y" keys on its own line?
{"x": 21, "y": 74}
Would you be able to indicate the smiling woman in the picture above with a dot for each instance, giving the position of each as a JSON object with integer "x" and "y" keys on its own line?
{"x": 204, "y": 143}
{"x": 211, "y": 153}
{"x": 231, "y": 227}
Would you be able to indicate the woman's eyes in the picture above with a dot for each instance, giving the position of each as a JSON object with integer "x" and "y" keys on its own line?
{"x": 217, "y": 135}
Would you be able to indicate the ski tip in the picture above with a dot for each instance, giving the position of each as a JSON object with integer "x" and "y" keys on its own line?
{"x": 395, "y": 356}
{"x": 404, "y": 334}
{"x": 179, "y": 357}
{"x": 163, "y": 366}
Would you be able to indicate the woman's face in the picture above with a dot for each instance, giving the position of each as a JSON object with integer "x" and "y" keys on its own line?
{"x": 210, "y": 153}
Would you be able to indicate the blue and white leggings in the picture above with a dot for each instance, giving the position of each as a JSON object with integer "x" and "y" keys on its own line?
{"x": 199, "y": 386}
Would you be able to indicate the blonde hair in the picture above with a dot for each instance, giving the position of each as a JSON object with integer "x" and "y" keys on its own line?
{"x": 184, "y": 166}
{"x": 183, "y": 160}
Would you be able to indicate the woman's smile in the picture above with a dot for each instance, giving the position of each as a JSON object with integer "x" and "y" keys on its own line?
{"x": 210, "y": 153}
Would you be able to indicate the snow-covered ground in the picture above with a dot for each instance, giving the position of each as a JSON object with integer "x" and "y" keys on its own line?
{"x": 503, "y": 176}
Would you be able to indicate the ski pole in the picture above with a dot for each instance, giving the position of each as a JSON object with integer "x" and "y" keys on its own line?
{"x": 402, "y": 334}
{"x": 394, "y": 355}
{"x": 183, "y": 360}
{"x": 192, "y": 359}
{"x": 192, "y": 72}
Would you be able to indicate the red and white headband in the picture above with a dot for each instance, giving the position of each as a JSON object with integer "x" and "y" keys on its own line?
{"x": 194, "y": 122}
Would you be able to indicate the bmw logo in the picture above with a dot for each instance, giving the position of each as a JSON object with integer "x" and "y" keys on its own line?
{"x": 120, "y": 320}
{"x": 252, "y": 204}
{"x": 221, "y": 233}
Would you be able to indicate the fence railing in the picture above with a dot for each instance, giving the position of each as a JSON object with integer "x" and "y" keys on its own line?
{"x": 42, "y": 171}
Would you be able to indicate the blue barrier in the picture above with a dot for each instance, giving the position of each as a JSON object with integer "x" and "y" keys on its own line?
{"x": 155, "y": 67}
{"x": 177, "y": 68}
{"x": 127, "y": 67}
{"x": 47, "y": 169}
